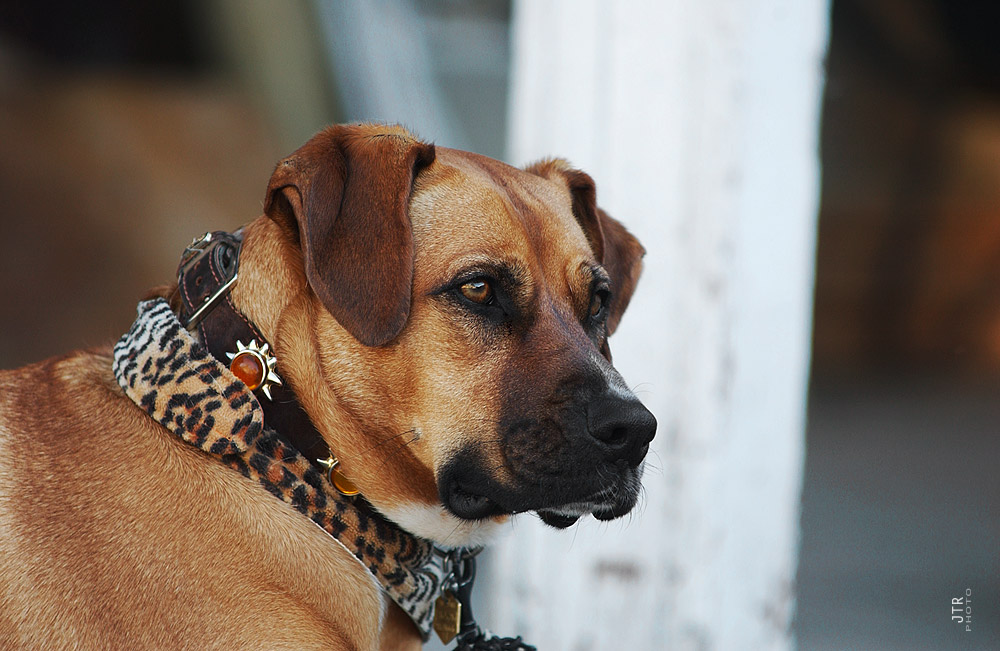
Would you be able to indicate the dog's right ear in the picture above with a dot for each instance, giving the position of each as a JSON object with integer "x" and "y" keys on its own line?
{"x": 344, "y": 196}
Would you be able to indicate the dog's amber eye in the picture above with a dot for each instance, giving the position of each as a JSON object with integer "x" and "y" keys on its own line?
{"x": 597, "y": 302}
{"x": 478, "y": 291}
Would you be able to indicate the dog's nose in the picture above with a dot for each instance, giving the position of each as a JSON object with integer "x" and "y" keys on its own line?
{"x": 623, "y": 426}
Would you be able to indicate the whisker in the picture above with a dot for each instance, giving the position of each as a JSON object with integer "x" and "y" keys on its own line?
{"x": 654, "y": 467}
{"x": 452, "y": 532}
{"x": 397, "y": 450}
{"x": 387, "y": 440}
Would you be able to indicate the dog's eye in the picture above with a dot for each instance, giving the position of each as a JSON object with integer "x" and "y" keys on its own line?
{"x": 598, "y": 304}
{"x": 478, "y": 291}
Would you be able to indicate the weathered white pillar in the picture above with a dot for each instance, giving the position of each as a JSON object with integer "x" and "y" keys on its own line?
{"x": 699, "y": 120}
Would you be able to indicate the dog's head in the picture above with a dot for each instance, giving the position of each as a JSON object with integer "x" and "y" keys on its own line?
{"x": 457, "y": 311}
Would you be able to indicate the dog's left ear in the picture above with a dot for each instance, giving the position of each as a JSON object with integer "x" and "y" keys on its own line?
{"x": 344, "y": 197}
{"x": 618, "y": 251}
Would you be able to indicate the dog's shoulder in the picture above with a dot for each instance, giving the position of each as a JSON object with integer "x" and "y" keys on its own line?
{"x": 56, "y": 417}
{"x": 101, "y": 508}
{"x": 78, "y": 387}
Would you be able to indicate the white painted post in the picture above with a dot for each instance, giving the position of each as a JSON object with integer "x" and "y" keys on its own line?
{"x": 699, "y": 121}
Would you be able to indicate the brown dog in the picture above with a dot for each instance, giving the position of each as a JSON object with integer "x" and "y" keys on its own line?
{"x": 441, "y": 317}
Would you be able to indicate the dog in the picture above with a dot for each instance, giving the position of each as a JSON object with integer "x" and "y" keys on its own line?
{"x": 441, "y": 320}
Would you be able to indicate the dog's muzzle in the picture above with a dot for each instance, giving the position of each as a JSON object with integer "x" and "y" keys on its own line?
{"x": 585, "y": 459}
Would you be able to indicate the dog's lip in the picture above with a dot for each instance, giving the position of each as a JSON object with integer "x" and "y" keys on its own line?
{"x": 471, "y": 505}
{"x": 602, "y": 505}
{"x": 556, "y": 519}
{"x": 614, "y": 511}
{"x": 612, "y": 502}
{"x": 470, "y": 498}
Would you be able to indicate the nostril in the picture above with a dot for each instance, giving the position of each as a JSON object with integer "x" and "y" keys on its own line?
{"x": 613, "y": 436}
{"x": 624, "y": 427}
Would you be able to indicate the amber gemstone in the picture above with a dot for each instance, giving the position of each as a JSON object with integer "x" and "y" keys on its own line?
{"x": 249, "y": 368}
{"x": 344, "y": 485}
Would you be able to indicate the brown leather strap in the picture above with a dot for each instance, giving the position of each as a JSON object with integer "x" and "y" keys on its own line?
{"x": 207, "y": 266}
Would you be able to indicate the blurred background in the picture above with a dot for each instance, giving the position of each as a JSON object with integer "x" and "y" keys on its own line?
{"x": 127, "y": 128}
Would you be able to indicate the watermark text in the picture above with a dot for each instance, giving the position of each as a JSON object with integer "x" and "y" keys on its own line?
{"x": 961, "y": 610}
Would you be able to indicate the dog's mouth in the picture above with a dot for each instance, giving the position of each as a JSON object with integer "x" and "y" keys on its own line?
{"x": 479, "y": 502}
{"x": 607, "y": 505}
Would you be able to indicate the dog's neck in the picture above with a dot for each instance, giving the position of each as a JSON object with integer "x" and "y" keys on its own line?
{"x": 185, "y": 384}
{"x": 171, "y": 376}
{"x": 208, "y": 270}
{"x": 335, "y": 379}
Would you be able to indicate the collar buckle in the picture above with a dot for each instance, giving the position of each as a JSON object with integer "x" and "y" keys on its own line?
{"x": 212, "y": 258}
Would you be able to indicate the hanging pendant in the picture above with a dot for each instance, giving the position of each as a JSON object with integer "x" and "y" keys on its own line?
{"x": 343, "y": 485}
{"x": 254, "y": 365}
{"x": 447, "y": 616}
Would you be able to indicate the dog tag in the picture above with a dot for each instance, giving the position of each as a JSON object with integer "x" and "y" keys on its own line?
{"x": 447, "y": 617}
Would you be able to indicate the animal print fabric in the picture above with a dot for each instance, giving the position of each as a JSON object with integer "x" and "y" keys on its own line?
{"x": 174, "y": 378}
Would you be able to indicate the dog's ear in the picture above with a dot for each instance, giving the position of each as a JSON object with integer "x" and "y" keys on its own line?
{"x": 623, "y": 262}
{"x": 618, "y": 251}
{"x": 344, "y": 196}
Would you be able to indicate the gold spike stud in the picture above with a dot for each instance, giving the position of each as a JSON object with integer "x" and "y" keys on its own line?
{"x": 255, "y": 366}
{"x": 343, "y": 485}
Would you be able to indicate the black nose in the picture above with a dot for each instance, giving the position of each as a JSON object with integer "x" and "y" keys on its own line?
{"x": 623, "y": 427}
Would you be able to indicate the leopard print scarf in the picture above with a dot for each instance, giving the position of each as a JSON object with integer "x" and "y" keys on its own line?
{"x": 172, "y": 377}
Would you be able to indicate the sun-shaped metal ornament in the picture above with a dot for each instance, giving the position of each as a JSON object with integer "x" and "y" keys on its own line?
{"x": 254, "y": 366}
